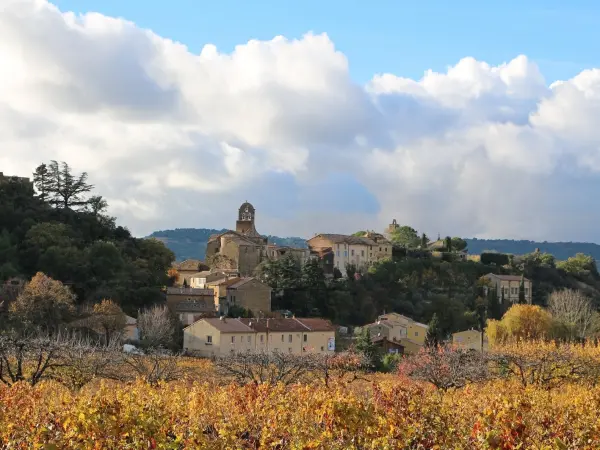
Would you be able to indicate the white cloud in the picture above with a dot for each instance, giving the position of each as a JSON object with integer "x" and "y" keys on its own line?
{"x": 173, "y": 138}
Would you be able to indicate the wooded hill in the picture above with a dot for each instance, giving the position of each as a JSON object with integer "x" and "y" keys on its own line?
{"x": 61, "y": 228}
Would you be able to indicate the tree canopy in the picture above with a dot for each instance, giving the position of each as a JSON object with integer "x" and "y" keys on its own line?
{"x": 61, "y": 229}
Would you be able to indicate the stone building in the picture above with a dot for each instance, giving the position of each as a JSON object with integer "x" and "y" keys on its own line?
{"x": 339, "y": 250}
{"x": 244, "y": 249}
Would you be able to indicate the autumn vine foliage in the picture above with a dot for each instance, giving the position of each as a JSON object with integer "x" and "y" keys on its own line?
{"x": 555, "y": 408}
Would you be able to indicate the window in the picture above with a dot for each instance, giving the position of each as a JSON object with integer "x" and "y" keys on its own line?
{"x": 305, "y": 337}
{"x": 290, "y": 349}
{"x": 379, "y": 248}
{"x": 249, "y": 339}
{"x": 282, "y": 338}
{"x": 345, "y": 254}
{"x": 416, "y": 333}
{"x": 526, "y": 291}
{"x": 338, "y": 253}
{"x": 232, "y": 339}
{"x": 322, "y": 348}
{"x": 290, "y": 338}
{"x": 514, "y": 291}
{"x": 262, "y": 338}
{"x": 352, "y": 252}
{"x": 362, "y": 253}
{"x": 386, "y": 249}
{"x": 209, "y": 339}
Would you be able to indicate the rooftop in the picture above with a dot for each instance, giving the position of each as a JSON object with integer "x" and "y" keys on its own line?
{"x": 346, "y": 239}
{"x": 270, "y": 325}
{"x": 188, "y": 291}
{"x": 507, "y": 277}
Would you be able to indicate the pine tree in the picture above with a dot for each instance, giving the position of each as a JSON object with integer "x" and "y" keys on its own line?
{"x": 494, "y": 309}
{"x": 42, "y": 182}
{"x": 435, "y": 333}
{"x": 63, "y": 189}
{"x": 448, "y": 244}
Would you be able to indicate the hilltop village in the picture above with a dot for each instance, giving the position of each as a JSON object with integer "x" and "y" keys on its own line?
{"x": 396, "y": 290}
{"x": 205, "y": 294}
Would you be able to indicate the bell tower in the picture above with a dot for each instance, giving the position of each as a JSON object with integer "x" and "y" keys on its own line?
{"x": 245, "y": 222}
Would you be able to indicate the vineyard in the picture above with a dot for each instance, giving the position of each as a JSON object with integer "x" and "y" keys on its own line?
{"x": 538, "y": 406}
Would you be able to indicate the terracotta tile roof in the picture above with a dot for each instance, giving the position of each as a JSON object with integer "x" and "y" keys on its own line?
{"x": 189, "y": 291}
{"x": 238, "y": 237}
{"x": 243, "y": 281}
{"x": 225, "y": 282}
{"x": 346, "y": 239}
{"x": 289, "y": 325}
{"x": 506, "y": 277}
{"x": 229, "y": 325}
{"x": 316, "y": 324}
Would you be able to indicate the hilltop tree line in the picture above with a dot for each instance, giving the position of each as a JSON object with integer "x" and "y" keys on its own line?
{"x": 58, "y": 226}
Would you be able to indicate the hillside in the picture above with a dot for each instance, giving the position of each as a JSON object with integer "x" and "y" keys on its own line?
{"x": 189, "y": 243}
{"x": 560, "y": 250}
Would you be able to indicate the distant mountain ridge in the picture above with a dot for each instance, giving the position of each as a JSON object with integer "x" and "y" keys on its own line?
{"x": 190, "y": 243}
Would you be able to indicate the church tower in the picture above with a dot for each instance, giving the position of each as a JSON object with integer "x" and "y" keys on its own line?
{"x": 245, "y": 222}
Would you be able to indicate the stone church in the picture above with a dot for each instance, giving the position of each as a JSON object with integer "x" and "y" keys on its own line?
{"x": 244, "y": 249}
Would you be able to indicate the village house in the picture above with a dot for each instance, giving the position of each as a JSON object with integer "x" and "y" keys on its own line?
{"x": 244, "y": 249}
{"x": 470, "y": 339}
{"x": 201, "y": 280}
{"x": 344, "y": 250}
{"x": 507, "y": 287}
{"x": 398, "y": 329}
{"x": 186, "y": 269}
{"x": 250, "y": 294}
{"x": 223, "y": 336}
{"x": 190, "y": 303}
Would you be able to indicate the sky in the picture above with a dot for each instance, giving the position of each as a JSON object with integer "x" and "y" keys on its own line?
{"x": 477, "y": 119}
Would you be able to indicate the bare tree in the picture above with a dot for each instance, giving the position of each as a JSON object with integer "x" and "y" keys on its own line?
{"x": 548, "y": 366}
{"x": 347, "y": 366}
{"x": 152, "y": 366}
{"x": 34, "y": 356}
{"x": 156, "y": 327}
{"x": 447, "y": 367}
{"x": 574, "y": 310}
{"x": 265, "y": 368}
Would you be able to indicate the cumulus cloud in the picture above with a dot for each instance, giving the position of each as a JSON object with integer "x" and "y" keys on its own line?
{"x": 177, "y": 139}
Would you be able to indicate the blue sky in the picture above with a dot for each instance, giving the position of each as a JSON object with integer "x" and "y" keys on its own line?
{"x": 402, "y": 37}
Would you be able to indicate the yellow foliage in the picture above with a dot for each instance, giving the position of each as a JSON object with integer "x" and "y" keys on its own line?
{"x": 520, "y": 322}
{"x": 386, "y": 412}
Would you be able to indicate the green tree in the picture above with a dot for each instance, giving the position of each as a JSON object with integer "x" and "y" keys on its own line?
{"x": 579, "y": 264}
{"x": 65, "y": 189}
{"x": 448, "y": 244}
{"x": 365, "y": 346}
{"x": 424, "y": 241}
{"x": 435, "y": 333}
{"x": 43, "y": 182}
{"x": 313, "y": 282}
{"x": 405, "y": 236}
{"x": 458, "y": 244}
